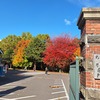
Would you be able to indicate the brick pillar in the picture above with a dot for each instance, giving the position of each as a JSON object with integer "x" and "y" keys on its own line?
{"x": 89, "y": 24}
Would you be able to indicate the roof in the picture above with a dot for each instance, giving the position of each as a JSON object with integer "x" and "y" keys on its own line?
{"x": 88, "y": 13}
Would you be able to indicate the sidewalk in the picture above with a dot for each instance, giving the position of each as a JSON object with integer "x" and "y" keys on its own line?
{"x": 31, "y": 72}
{"x": 37, "y": 72}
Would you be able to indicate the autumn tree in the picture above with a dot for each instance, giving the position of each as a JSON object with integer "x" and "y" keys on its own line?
{"x": 19, "y": 58}
{"x": 60, "y": 51}
{"x": 77, "y": 51}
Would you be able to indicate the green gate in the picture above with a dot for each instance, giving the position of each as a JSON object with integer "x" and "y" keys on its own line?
{"x": 74, "y": 80}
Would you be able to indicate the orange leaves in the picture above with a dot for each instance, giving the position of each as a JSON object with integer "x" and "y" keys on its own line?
{"x": 77, "y": 52}
{"x": 19, "y": 52}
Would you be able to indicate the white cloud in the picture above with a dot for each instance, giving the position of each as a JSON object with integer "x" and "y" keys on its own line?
{"x": 67, "y": 22}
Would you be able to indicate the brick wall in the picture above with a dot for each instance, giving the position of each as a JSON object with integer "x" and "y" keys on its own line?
{"x": 92, "y": 26}
{"x": 89, "y": 24}
{"x": 87, "y": 80}
{"x": 87, "y": 76}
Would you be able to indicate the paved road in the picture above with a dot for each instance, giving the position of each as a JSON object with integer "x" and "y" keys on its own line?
{"x": 23, "y": 85}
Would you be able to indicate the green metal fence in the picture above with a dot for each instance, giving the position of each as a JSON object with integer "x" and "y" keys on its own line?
{"x": 74, "y": 80}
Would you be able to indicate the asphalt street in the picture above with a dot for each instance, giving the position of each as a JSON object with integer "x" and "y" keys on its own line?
{"x": 30, "y": 85}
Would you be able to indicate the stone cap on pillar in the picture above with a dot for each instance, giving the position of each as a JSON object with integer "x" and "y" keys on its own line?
{"x": 88, "y": 13}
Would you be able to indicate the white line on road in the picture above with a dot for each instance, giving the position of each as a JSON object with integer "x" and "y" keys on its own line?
{"x": 9, "y": 84}
{"x": 32, "y": 73}
{"x": 24, "y": 97}
{"x": 18, "y": 98}
{"x": 57, "y": 92}
{"x": 58, "y": 98}
{"x": 65, "y": 90}
{"x": 6, "y": 87}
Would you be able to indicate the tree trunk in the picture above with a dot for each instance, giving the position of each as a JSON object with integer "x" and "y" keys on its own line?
{"x": 41, "y": 65}
{"x": 10, "y": 65}
{"x": 34, "y": 66}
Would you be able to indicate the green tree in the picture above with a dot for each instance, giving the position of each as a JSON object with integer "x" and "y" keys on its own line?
{"x": 26, "y": 36}
{"x": 7, "y": 45}
{"x": 43, "y": 37}
{"x": 34, "y": 51}
{"x": 9, "y": 42}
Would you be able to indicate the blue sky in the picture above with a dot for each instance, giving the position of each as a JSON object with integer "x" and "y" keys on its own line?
{"x": 52, "y": 17}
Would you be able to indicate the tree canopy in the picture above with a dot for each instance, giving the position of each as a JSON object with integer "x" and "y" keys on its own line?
{"x": 19, "y": 58}
{"x": 60, "y": 51}
{"x": 27, "y": 50}
{"x": 7, "y": 45}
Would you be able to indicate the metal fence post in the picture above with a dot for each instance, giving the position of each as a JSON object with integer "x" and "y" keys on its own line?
{"x": 74, "y": 80}
{"x": 77, "y": 78}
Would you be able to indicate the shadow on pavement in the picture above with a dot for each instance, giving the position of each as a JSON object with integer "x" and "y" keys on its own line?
{"x": 8, "y": 91}
{"x": 12, "y": 76}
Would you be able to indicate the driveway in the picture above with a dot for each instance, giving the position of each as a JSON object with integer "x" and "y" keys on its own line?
{"x": 30, "y": 85}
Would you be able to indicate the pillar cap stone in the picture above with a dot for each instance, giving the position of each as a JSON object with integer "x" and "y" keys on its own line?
{"x": 88, "y": 13}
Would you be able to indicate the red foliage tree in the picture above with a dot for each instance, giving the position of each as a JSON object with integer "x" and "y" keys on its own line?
{"x": 60, "y": 51}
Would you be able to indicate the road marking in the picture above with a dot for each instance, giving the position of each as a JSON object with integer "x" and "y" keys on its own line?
{"x": 65, "y": 90}
{"x": 32, "y": 73}
{"x": 6, "y": 87}
{"x": 57, "y": 92}
{"x": 58, "y": 98}
{"x": 9, "y": 84}
{"x": 18, "y": 98}
{"x": 24, "y": 97}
